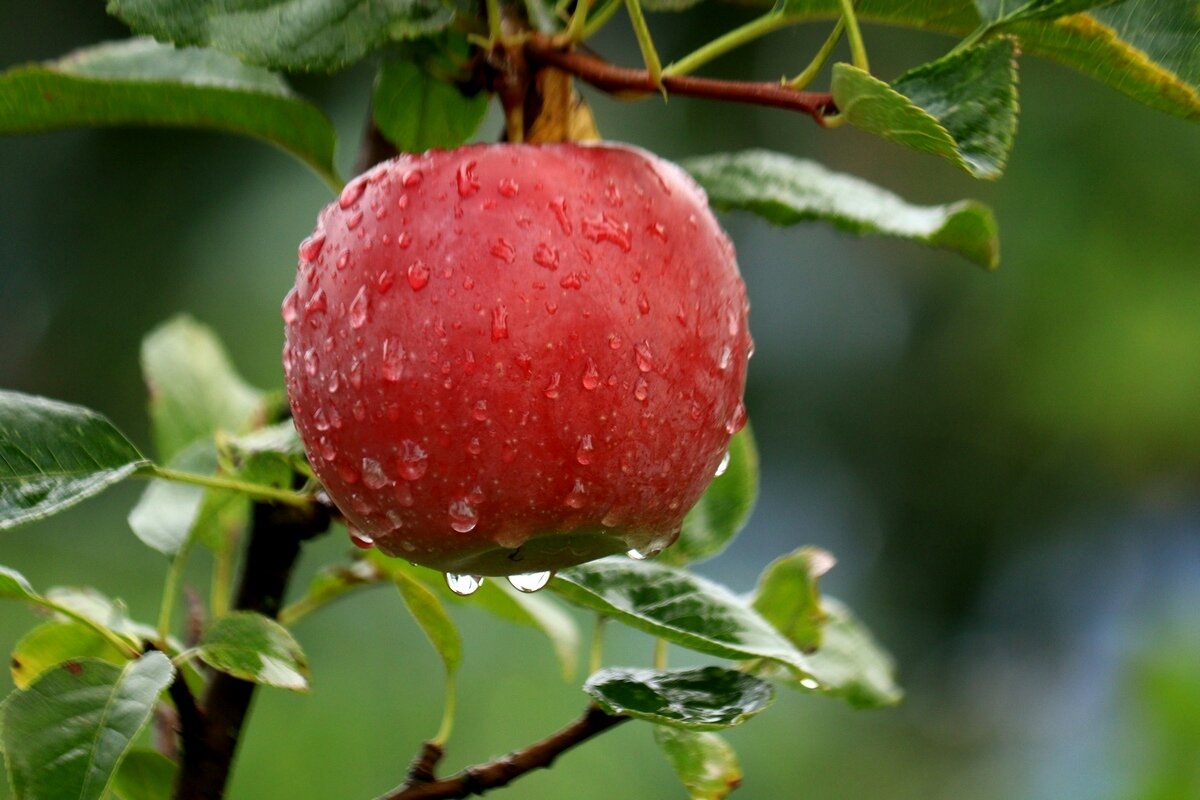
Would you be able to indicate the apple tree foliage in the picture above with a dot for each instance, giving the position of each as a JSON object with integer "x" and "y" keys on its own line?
{"x": 89, "y": 678}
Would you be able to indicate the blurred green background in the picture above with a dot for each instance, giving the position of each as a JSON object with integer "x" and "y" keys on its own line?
{"x": 1007, "y": 465}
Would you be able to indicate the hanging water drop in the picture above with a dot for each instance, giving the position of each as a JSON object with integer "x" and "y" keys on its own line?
{"x": 463, "y": 584}
{"x": 359, "y": 539}
{"x": 529, "y": 582}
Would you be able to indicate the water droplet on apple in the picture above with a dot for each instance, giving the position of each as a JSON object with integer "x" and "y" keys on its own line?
{"x": 643, "y": 303}
{"x": 641, "y": 352}
{"x": 480, "y": 411}
{"x": 393, "y": 361}
{"x": 529, "y": 582}
{"x": 551, "y": 390}
{"x": 636, "y": 555}
{"x": 504, "y": 251}
{"x": 343, "y": 261}
{"x": 508, "y": 187}
{"x": 310, "y": 248}
{"x": 468, "y": 182}
{"x": 373, "y": 475}
{"x": 359, "y": 309}
{"x": 614, "y": 341}
{"x": 641, "y": 390}
{"x": 413, "y": 462}
{"x": 724, "y": 465}
{"x": 474, "y": 447}
{"x": 578, "y": 495}
{"x": 586, "y": 449}
{"x": 412, "y": 179}
{"x": 591, "y": 376}
{"x": 607, "y": 228}
{"x": 355, "y": 220}
{"x": 385, "y": 281}
{"x": 316, "y": 304}
{"x": 290, "y": 314}
{"x": 463, "y": 584}
{"x": 463, "y": 516}
{"x": 738, "y": 419}
{"x": 546, "y": 256}
{"x": 499, "y": 323}
{"x": 809, "y": 683}
{"x": 351, "y": 193}
{"x": 559, "y": 206}
{"x": 725, "y": 357}
{"x": 418, "y": 275}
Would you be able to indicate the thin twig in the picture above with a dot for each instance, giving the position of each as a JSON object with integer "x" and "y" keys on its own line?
{"x": 622, "y": 80}
{"x": 484, "y": 777}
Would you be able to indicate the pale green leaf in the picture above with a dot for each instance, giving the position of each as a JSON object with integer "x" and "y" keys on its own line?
{"x": 788, "y": 596}
{"x": 431, "y": 616}
{"x": 704, "y": 761}
{"x": 166, "y": 513}
{"x": 145, "y": 775}
{"x": 255, "y": 648}
{"x": 54, "y": 642}
{"x": 785, "y": 190}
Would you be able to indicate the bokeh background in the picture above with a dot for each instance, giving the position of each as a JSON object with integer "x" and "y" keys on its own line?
{"x": 1007, "y": 465}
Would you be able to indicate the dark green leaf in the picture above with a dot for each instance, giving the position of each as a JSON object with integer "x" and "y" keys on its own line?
{"x": 962, "y": 107}
{"x": 849, "y": 664}
{"x": 66, "y": 734}
{"x": 431, "y": 615}
{"x": 255, "y": 648}
{"x": 723, "y": 508}
{"x": 677, "y": 606}
{"x": 704, "y": 762}
{"x": 53, "y": 455}
{"x": 699, "y": 699}
{"x": 167, "y": 511}
{"x": 418, "y": 106}
{"x": 786, "y": 190}
{"x": 789, "y": 598}
{"x": 194, "y": 390}
{"x": 14, "y": 586}
{"x": 142, "y": 82}
{"x": 54, "y": 642}
{"x": 319, "y": 35}
{"x": 145, "y": 775}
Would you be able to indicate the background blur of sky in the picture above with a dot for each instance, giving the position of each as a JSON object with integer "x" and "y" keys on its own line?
{"x": 1007, "y": 465}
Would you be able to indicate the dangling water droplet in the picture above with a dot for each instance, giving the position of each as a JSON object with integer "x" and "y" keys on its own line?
{"x": 638, "y": 555}
{"x": 724, "y": 465}
{"x": 359, "y": 309}
{"x": 578, "y": 495}
{"x": 359, "y": 539}
{"x": 641, "y": 390}
{"x": 499, "y": 323}
{"x": 591, "y": 376}
{"x": 546, "y": 256}
{"x": 504, "y": 251}
{"x": 413, "y": 462}
{"x": 809, "y": 683}
{"x": 351, "y": 193}
{"x": 585, "y": 451}
{"x": 641, "y": 353}
{"x": 551, "y": 390}
{"x": 529, "y": 582}
{"x": 738, "y": 420}
{"x": 393, "y": 361}
{"x": 418, "y": 275}
{"x": 316, "y": 304}
{"x": 310, "y": 248}
{"x": 463, "y": 516}
{"x": 468, "y": 183}
{"x": 479, "y": 412}
{"x": 373, "y": 475}
{"x": 463, "y": 584}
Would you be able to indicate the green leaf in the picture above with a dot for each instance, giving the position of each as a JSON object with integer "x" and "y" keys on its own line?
{"x": 704, "y": 762}
{"x": 104, "y": 611}
{"x": 167, "y": 511}
{"x": 1143, "y": 48}
{"x": 54, "y": 642}
{"x": 789, "y": 598}
{"x": 699, "y": 699}
{"x": 723, "y": 508}
{"x": 996, "y": 13}
{"x": 145, "y": 775}
{"x": 677, "y": 606}
{"x": 279, "y": 439}
{"x": 255, "y": 648}
{"x": 194, "y": 390}
{"x": 962, "y": 107}
{"x": 14, "y": 586}
{"x": 497, "y": 598}
{"x": 142, "y": 82}
{"x": 850, "y": 664}
{"x": 431, "y": 615}
{"x": 312, "y": 35}
{"x": 786, "y": 190}
{"x": 53, "y": 455}
{"x": 66, "y": 734}
{"x": 417, "y": 105}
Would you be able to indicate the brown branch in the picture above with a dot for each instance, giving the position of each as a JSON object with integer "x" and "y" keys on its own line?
{"x": 211, "y": 729}
{"x": 617, "y": 80}
{"x": 502, "y": 771}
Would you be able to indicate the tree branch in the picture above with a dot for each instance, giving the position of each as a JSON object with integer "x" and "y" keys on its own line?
{"x": 484, "y": 777}
{"x": 210, "y": 730}
{"x": 619, "y": 80}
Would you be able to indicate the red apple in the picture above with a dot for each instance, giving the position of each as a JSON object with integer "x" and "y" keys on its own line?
{"x": 507, "y": 359}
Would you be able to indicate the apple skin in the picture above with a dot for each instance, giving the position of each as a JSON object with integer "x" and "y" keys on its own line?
{"x": 508, "y": 359}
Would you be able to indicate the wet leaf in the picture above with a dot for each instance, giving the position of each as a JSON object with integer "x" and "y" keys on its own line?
{"x": 704, "y": 762}
{"x": 255, "y": 648}
{"x": 788, "y": 596}
{"x": 699, "y": 699}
